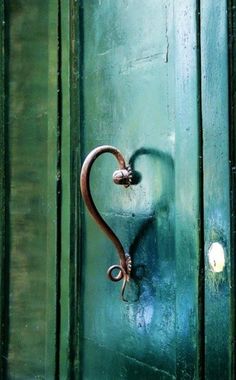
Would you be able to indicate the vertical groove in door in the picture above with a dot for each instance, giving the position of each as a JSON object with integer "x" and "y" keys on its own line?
{"x": 4, "y": 262}
{"x": 232, "y": 157}
{"x": 75, "y": 165}
{"x": 201, "y": 278}
{"x": 70, "y": 165}
{"x": 80, "y": 65}
{"x": 188, "y": 202}
{"x": 76, "y": 234}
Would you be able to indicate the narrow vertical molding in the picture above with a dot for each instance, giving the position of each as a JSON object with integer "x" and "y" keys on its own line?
{"x": 201, "y": 266}
{"x": 51, "y": 365}
{"x": 216, "y": 169}
{"x": 187, "y": 192}
{"x": 59, "y": 191}
{"x": 70, "y": 165}
{"x": 232, "y": 158}
{"x": 76, "y": 110}
{"x": 66, "y": 185}
{"x": 3, "y": 258}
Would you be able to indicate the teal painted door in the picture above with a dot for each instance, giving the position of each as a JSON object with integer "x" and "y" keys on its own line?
{"x": 139, "y": 92}
{"x": 156, "y": 79}
{"x": 154, "y": 83}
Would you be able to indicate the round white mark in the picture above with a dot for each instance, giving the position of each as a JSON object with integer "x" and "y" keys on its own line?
{"x": 216, "y": 256}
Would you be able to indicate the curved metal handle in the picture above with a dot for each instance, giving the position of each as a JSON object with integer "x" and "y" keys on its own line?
{"x": 123, "y": 176}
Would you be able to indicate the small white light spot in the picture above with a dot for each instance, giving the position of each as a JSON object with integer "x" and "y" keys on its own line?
{"x": 216, "y": 255}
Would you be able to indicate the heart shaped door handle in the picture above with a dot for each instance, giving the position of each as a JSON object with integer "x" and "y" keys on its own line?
{"x": 122, "y": 176}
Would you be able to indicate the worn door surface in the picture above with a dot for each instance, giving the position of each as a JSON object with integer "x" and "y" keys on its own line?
{"x": 150, "y": 78}
{"x": 154, "y": 83}
{"x": 139, "y": 92}
{"x": 28, "y": 189}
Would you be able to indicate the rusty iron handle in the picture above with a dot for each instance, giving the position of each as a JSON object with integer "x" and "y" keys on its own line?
{"x": 123, "y": 176}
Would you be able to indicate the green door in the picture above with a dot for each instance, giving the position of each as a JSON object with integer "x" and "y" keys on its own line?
{"x": 155, "y": 79}
{"x": 139, "y": 92}
{"x": 150, "y": 85}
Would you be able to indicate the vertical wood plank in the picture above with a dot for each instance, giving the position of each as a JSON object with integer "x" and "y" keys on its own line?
{"x": 232, "y": 147}
{"x": 32, "y": 175}
{"x": 3, "y": 272}
{"x": 69, "y": 174}
{"x": 51, "y": 332}
{"x": 187, "y": 191}
{"x": 216, "y": 185}
{"x": 76, "y": 143}
{"x": 66, "y": 190}
{"x": 150, "y": 107}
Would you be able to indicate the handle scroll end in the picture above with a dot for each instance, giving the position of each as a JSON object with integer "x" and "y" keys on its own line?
{"x": 124, "y": 273}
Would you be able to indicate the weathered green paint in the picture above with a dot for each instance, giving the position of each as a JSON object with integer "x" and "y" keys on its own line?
{"x": 67, "y": 201}
{"x": 215, "y": 108}
{"x": 188, "y": 191}
{"x": 136, "y": 75}
{"x": 76, "y": 112}
{"x": 51, "y": 348}
{"x": 32, "y": 178}
{"x": 66, "y": 189}
{"x": 70, "y": 166}
{"x": 3, "y": 274}
{"x": 232, "y": 148}
{"x": 140, "y": 91}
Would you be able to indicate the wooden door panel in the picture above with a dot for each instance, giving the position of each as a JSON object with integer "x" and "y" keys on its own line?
{"x": 139, "y": 69}
{"x": 215, "y": 115}
{"x": 31, "y": 138}
{"x": 153, "y": 81}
